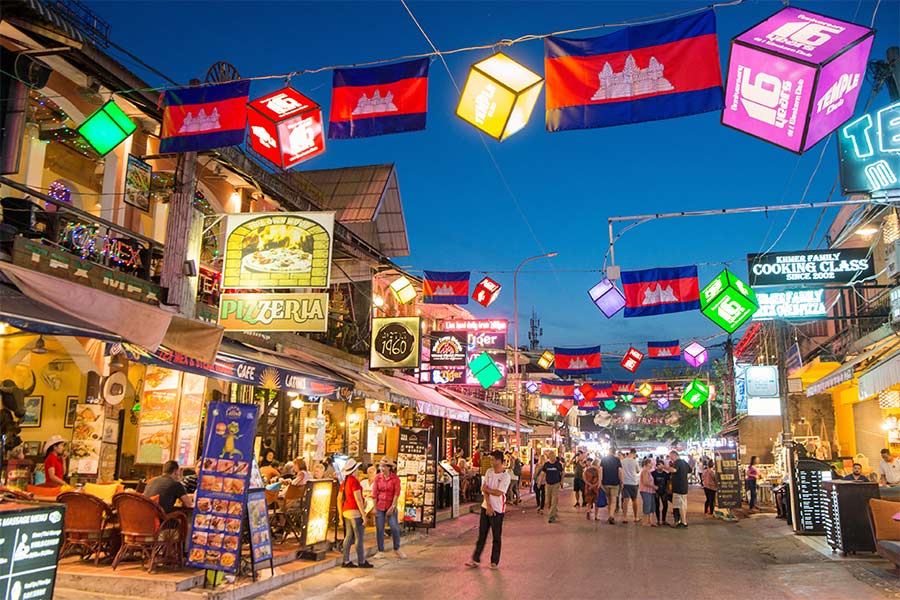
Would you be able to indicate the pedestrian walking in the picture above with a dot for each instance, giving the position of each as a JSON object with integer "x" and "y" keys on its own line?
{"x": 611, "y": 480}
{"x": 663, "y": 491}
{"x": 353, "y": 511}
{"x": 554, "y": 471}
{"x": 515, "y": 472}
{"x": 647, "y": 491}
{"x": 591, "y": 476}
{"x": 386, "y": 494}
{"x": 708, "y": 479}
{"x": 578, "y": 479}
{"x": 540, "y": 483}
{"x": 679, "y": 470}
{"x": 750, "y": 483}
{"x": 493, "y": 507}
{"x": 631, "y": 482}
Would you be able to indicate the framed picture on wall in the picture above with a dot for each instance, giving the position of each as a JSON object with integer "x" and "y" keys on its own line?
{"x": 34, "y": 407}
{"x": 138, "y": 175}
{"x": 71, "y": 406}
{"x": 32, "y": 448}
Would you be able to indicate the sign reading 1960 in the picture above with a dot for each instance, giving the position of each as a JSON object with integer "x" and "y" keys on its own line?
{"x": 811, "y": 266}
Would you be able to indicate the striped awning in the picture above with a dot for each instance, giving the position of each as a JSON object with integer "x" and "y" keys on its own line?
{"x": 880, "y": 377}
{"x": 836, "y": 378}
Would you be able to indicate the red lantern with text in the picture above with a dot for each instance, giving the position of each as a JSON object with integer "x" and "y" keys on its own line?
{"x": 632, "y": 359}
{"x": 286, "y": 128}
{"x": 486, "y": 291}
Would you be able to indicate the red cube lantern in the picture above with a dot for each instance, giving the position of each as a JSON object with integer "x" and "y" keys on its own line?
{"x": 286, "y": 128}
{"x": 632, "y": 359}
{"x": 486, "y": 291}
{"x": 587, "y": 390}
{"x": 564, "y": 407}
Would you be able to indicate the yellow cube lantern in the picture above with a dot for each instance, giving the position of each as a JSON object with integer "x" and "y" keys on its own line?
{"x": 546, "y": 359}
{"x": 499, "y": 96}
{"x": 403, "y": 290}
{"x": 646, "y": 389}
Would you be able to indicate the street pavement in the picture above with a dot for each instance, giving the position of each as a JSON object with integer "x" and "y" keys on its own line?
{"x": 756, "y": 559}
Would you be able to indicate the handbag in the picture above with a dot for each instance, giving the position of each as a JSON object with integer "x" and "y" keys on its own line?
{"x": 601, "y": 498}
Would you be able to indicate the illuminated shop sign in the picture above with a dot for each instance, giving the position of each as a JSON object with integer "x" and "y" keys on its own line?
{"x": 791, "y": 304}
{"x": 475, "y": 337}
{"x": 869, "y": 150}
{"x": 811, "y": 266}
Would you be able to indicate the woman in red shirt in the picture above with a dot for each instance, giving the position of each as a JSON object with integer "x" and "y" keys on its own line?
{"x": 54, "y": 449}
{"x": 353, "y": 509}
{"x": 386, "y": 493}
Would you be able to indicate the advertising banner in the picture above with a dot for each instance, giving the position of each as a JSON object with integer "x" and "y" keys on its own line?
{"x": 448, "y": 349}
{"x": 836, "y": 265}
{"x": 278, "y": 250}
{"x": 791, "y": 304}
{"x": 476, "y": 337}
{"x": 274, "y": 312}
{"x": 395, "y": 343}
{"x": 417, "y": 463}
{"x": 224, "y": 480}
{"x": 729, "y": 484}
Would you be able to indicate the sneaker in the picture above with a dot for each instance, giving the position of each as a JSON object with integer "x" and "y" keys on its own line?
{"x": 494, "y": 566}
{"x": 399, "y": 553}
{"x": 473, "y": 564}
{"x": 680, "y": 526}
{"x": 367, "y": 565}
{"x": 611, "y": 521}
{"x": 348, "y": 565}
{"x": 379, "y": 555}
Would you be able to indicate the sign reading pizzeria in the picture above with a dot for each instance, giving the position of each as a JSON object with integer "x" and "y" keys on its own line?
{"x": 395, "y": 343}
{"x": 837, "y": 265}
{"x": 278, "y": 250}
{"x": 274, "y": 312}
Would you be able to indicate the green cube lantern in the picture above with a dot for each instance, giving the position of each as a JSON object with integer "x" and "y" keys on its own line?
{"x": 485, "y": 370}
{"x": 609, "y": 404}
{"x": 727, "y": 301}
{"x": 106, "y": 128}
{"x": 695, "y": 394}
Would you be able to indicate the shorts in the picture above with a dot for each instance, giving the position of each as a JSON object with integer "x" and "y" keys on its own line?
{"x": 648, "y": 503}
{"x": 612, "y": 492}
{"x": 579, "y": 484}
{"x": 679, "y": 501}
{"x": 630, "y": 491}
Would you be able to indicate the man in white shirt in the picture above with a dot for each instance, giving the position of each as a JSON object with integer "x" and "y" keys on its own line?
{"x": 496, "y": 482}
{"x": 631, "y": 473}
{"x": 889, "y": 468}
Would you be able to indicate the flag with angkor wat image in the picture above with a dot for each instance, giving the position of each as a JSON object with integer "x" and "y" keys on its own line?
{"x": 446, "y": 287}
{"x": 660, "y": 291}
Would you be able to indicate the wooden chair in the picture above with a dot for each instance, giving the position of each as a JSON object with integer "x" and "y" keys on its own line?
{"x": 886, "y": 530}
{"x": 89, "y": 525}
{"x": 292, "y": 511}
{"x": 145, "y": 528}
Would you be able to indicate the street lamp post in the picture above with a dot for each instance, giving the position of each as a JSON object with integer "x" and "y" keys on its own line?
{"x": 516, "y": 336}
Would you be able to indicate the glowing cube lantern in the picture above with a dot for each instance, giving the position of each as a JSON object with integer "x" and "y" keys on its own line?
{"x": 609, "y": 404}
{"x": 564, "y": 407}
{"x": 578, "y": 395}
{"x": 546, "y": 359}
{"x": 795, "y": 77}
{"x": 727, "y": 301}
{"x": 632, "y": 359}
{"x": 286, "y": 128}
{"x": 587, "y": 391}
{"x": 695, "y": 394}
{"x": 403, "y": 290}
{"x": 532, "y": 387}
{"x": 106, "y": 128}
{"x": 607, "y": 297}
{"x": 646, "y": 389}
{"x": 486, "y": 291}
{"x": 695, "y": 354}
{"x": 663, "y": 403}
{"x": 499, "y": 96}
{"x": 485, "y": 370}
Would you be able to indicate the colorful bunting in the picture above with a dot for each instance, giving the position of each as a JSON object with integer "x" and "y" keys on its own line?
{"x": 446, "y": 287}
{"x": 695, "y": 354}
{"x": 607, "y": 297}
{"x": 486, "y": 292}
{"x": 695, "y": 394}
{"x": 728, "y": 302}
{"x": 403, "y": 290}
{"x": 659, "y": 291}
{"x": 286, "y": 128}
{"x": 204, "y": 117}
{"x": 485, "y": 370}
{"x": 106, "y": 128}
{"x": 546, "y": 359}
{"x": 578, "y": 361}
{"x": 564, "y": 407}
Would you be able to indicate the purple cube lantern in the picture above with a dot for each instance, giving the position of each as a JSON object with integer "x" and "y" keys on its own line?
{"x": 695, "y": 354}
{"x": 607, "y": 297}
{"x": 532, "y": 387}
{"x": 663, "y": 403}
{"x": 795, "y": 77}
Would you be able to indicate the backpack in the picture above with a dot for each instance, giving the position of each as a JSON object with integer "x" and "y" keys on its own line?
{"x": 517, "y": 467}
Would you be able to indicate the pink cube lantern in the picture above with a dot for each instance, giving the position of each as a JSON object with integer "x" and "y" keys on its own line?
{"x": 695, "y": 354}
{"x": 286, "y": 128}
{"x": 607, "y": 297}
{"x": 486, "y": 291}
{"x": 795, "y": 77}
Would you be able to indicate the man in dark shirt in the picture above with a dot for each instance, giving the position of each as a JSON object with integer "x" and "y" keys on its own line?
{"x": 169, "y": 488}
{"x": 553, "y": 471}
{"x": 578, "y": 471}
{"x": 679, "y": 470}
{"x": 856, "y": 475}
{"x": 611, "y": 477}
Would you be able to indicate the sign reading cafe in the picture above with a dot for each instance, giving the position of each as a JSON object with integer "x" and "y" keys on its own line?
{"x": 841, "y": 265}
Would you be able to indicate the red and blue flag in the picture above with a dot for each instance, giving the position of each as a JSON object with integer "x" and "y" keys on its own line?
{"x": 557, "y": 388}
{"x": 205, "y": 117}
{"x": 578, "y": 361}
{"x": 669, "y": 350}
{"x": 623, "y": 388}
{"x": 379, "y": 100}
{"x": 641, "y": 73}
{"x": 660, "y": 291}
{"x": 446, "y": 287}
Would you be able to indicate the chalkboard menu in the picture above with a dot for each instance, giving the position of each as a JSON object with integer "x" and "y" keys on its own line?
{"x": 30, "y": 536}
{"x": 812, "y": 500}
{"x": 416, "y": 461}
{"x": 847, "y": 527}
{"x": 729, "y": 494}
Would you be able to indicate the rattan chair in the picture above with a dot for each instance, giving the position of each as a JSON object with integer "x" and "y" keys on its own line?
{"x": 89, "y": 526}
{"x": 157, "y": 536}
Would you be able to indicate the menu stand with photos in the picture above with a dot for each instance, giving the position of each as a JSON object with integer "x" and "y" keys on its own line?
{"x": 417, "y": 468}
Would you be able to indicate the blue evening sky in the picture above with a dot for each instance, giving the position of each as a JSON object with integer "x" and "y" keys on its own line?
{"x": 562, "y": 186}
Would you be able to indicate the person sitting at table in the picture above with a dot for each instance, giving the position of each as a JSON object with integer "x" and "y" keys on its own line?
{"x": 856, "y": 475}
{"x": 189, "y": 480}
{"x": 168, "y": 488}
{"x": 318, "y": 471}
{"x": 301, "y": 474}
{"x": 267, "y": 457}
{"x": 54, "y": 455}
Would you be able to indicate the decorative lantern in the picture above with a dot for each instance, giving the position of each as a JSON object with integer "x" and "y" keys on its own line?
{"x": 607, "y": 297}
{"x": 286, "y": 128}
{"x": 403, "y": 290}
{"x": 632, "y": 359}
{"x": 609, "y": 404}
{"x": 695, "y": 394}
{"x": 663, "y": 403}
{"x": 486, "y": 291}
{"x": 587, "y": 391}
{"x": 578, "y": 395}
{"x": 106, "y": 128}
{"x": 795, "y": 77}
{"x": 727, "y": 301}
{"x": 695, "y": 354}
{"x": 564, "y": 407}
{"x": 532, "y": 387}
{"x": 546, "y": 360}
{"x": 646, "y": 389}
{"x": 499, "y": 96}
{"x": 485, "y": 370}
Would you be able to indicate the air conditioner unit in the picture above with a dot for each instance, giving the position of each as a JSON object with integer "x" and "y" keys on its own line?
{"x": 892, "y": 260}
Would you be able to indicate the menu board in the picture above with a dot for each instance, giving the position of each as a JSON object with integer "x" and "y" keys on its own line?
{"x": 729, "y": 488}
{"x": 454, "y": 479}
{"x": 189, "y": 419}
{"x": 812, "y": 500}
{"x": 318, "y": 511}
{"x": 159, "y": 406}
{"x": 30, "y": 536}
{"x": 416, "y": 462}
{"x": 223, "y": 486}
{"x": 87, "y": 440}
{"x": 258, "y": 521}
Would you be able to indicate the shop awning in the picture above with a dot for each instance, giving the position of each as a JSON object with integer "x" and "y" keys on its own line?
{"x": 397, "y": 392}
{"x": 26, "y": 314}
{"x": 142, "y": 324}
{"x": 363, "y": 382}
{"x": 481, "y": 414}
{"x": 428, "y": 401}
{"x": 846, "y": 372}
{"x": 880, "y": 377}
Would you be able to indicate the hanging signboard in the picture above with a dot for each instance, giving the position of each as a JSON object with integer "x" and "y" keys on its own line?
{"x": 869, "y": 152}
{"x": 476, "y": 337}
{"x": 274, "y": 312}
{"x": 159, "y": 407}
{"x": 729, "y": 473}
{"x": 416, "y": 462}
{"x": 791, "y": 304}
{"x": 278, "y": 250}
{"x": 448, "y": 349}
{"x": 32, "y": 535}
{"x": 836, "y": 265}
{"x": 395, "y": 343}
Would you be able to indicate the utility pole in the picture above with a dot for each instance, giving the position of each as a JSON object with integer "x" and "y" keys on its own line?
{"x": 729, "y": 356}
{"x": 787, "y": 436}
{"x": 888, "y": 72}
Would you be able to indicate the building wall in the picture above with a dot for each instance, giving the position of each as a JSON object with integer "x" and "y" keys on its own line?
{"x": 869, "y": 435}
{"x": 758, "y": 434}
{"x": 845, "y": 432}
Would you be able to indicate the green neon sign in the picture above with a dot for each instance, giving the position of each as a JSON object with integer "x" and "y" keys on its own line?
{"x": 727, "y": 301}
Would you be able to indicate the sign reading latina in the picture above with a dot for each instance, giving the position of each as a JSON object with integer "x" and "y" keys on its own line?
{"x": 814, "y": 266}
{"x": 274, "y": 312}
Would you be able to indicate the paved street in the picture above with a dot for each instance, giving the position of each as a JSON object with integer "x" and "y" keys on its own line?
{"x": 576, "y": 558}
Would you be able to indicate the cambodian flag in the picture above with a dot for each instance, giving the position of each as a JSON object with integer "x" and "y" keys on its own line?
{"x": 659, "y": 291}
{"x": 623, "y": 388}
{"x": 578, "y": 361}
{"x": 604, "y": 391}
{"x": 379, "y": 100}
{"x": 205, "y": 117}
{"x": 670, "y": 350}
{"x": 557, "y": 388}
{"x": 446, "y": 287}
{"x": 641, "y": 73}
